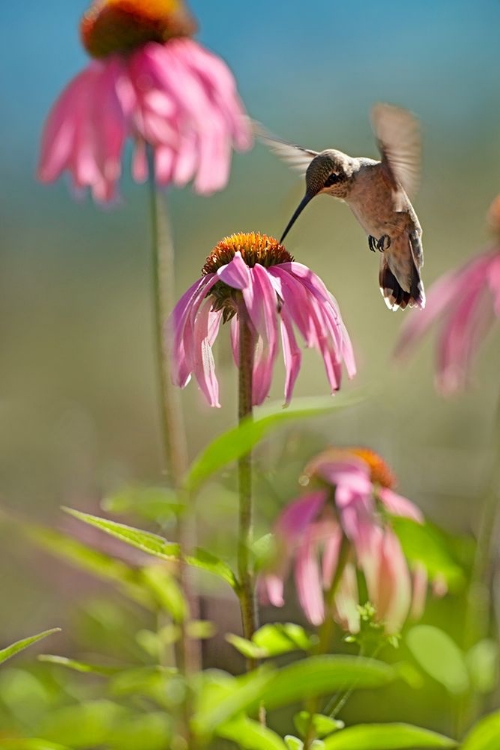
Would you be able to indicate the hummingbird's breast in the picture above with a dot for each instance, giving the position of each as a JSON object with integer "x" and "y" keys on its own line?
{"x": 371, "y": 199}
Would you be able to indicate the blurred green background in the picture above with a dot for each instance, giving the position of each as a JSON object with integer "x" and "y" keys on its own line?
{"x": 78, "y": 406}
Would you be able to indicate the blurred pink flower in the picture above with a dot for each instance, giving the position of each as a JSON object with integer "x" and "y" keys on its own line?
{"x": 172, "y": 95}
{"x": 464, "y": 303}
{"x": 278, "y": 295}
{"x": 346, "y": 512}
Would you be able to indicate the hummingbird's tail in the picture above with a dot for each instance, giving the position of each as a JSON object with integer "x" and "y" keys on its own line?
{"x": 395, "y": 296}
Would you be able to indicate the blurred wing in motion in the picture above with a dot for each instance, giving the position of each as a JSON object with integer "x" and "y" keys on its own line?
{"x": 295, "y": 156}
{"x": 398, "y": 138}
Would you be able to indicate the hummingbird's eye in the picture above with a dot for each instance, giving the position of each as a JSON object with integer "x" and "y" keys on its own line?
{"x": 332, "y": 179}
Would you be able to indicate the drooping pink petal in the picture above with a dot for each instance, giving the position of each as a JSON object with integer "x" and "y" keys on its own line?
{"x": 308, "y": 581}
{"x": 399, "y": 506}
{"x": 236, "y": 273}
{"x": 291, "y": 355}
{"x": 297, "y": 516}
{"x": 393, "y": 597}
{"x": 346, "y": 601}
{"x": 203, "y": 359}
{"x": 261, "y": 303}
{"x": 181, "y": 327}
{"x": 270, "y": 589}
{"x": 331, "y": 551}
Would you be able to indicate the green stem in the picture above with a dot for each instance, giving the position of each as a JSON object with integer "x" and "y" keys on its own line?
{"x": 245, "y": 411}
{"x": 326, "y": 630}
{"x": 174, "y": 446}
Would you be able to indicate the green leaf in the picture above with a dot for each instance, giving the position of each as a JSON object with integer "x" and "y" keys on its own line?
{"x": 425, "y": 544}
{"x": 439, "y": 656}
{"x": 387, "y": 737}
{"x": 281, "y": 638}
{"x": 238, "y": 441}
{"x": 293, "y": 743}
{"x": 158, "y": 504}
{"x": 482, "y": 663}
{"x": 15, "y": 648}
{"x": 273, "y": 640}
{"x": 79, "y": 666}
{"x": 222, "y": 697}
{"x": 97, "y": 563}
{"x": 485, "y": 735}
{"x": 155, "y": 545}
{"x": 323, "y": 725}
{"x": 320, "y": 675}
{"x": 250, "y": 735}
{"x": 245, "y": 647}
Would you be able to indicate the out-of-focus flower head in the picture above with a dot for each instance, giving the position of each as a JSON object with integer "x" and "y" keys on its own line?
{"x": 464, "y": 303}
{"x": 339, "y": 526}
{"x": 151, "y": 82}
{"x": 252, "y": 275}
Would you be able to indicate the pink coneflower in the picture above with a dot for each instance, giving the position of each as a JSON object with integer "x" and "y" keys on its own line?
{"x": 343, "y": 522}
{"x": 253, "y": 275}
{"x": 464, "y": 303}
{"x": 151, "y": 82}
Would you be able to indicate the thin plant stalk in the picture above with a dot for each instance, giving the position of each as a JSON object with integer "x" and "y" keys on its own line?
{"x": 174, "y": 445}
{"x": 245, "y": 534}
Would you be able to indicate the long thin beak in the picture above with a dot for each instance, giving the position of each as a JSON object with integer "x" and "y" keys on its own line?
{"x": 303, "y": 203}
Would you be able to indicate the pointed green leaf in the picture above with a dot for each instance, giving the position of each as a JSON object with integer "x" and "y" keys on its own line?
{"x": 79, "y": 666}
{"x": 15, "y": 648}
{"x": 485, "y": 735}
{"x": 320, "y": 675}
{"x": 250, "y": 735}
{"x": 222, "y": 697}
{"x": 238, "y": 441}
{"x": 387, "y": 737}
{"x": 155, "y": 545}
{"x": 245, "y": 647}
{"x": 323, "y": 725}
{"x": 281, "y": 638}
{"x": 439, "y": 656}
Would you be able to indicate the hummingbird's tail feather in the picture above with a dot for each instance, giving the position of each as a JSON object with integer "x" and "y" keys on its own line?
{"x": 395, "y": 296}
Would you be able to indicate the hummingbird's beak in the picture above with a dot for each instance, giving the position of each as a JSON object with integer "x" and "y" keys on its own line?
{"x": 303, "y": 203}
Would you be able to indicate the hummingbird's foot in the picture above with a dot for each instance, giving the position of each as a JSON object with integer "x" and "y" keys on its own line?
{"x": 372, "y": 243}
{"x": 383, "y": 243}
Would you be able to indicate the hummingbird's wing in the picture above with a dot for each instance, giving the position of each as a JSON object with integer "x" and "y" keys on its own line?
{"x": 398, "y": 138}
{"x": 295, "y": 156}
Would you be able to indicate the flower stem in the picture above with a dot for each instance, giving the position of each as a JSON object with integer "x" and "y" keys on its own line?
{"x": 174, "y": 445}
{"x": 245, "y": 411}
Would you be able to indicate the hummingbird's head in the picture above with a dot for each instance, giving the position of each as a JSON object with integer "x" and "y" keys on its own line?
{"x": 329, "y": 172}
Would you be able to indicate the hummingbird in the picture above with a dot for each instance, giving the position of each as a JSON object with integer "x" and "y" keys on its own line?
{"x": 377, "y": 192}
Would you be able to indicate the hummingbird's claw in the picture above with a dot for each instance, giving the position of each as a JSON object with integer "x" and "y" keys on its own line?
{"x": 372, "y": 243}
{"x": 384, "y": 243}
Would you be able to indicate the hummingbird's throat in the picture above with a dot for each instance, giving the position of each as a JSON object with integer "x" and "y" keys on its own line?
{"x": 119, "y": 26}
{"x": 254, "y": 248}
{"x": 380, "y": 473}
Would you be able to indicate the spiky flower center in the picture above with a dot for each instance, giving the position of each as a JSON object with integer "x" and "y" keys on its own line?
{"x": 380, "y": 473}
{"x": 111, "y": 26}
{"x": 254, "y": 248}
